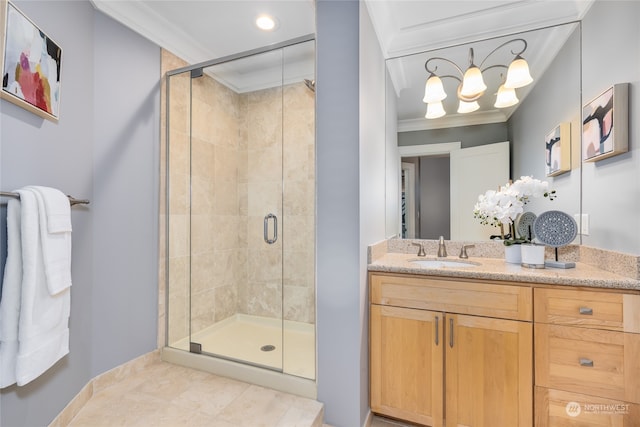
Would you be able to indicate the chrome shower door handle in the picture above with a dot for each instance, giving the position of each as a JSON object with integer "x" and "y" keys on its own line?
{"x": 266, "y": 228}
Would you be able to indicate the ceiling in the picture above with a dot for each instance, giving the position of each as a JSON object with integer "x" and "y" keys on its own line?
{"x": 202, "y": 30}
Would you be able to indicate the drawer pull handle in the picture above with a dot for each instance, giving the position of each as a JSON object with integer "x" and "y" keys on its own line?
{"x": 587, "y": 311}
{"x": 586, "y": 362}
{"x": 437, "y": 331}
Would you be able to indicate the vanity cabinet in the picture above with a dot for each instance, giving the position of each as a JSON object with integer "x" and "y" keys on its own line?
{"x": 587, "y": 358}
{"x": 451, "y": 352}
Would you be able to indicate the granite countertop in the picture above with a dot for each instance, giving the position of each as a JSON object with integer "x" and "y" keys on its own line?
{"x": 497, "y": 269}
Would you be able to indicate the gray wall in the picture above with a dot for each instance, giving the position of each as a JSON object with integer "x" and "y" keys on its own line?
{"x": 337, "y": 221}
{"x": 611, "y": 187}
{"x": 555, "y": 98}
{"x": 104, "y": 148}
{"x": 435, "y": 197}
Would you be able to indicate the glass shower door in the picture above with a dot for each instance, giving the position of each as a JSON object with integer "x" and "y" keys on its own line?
{"x": 236, "y": 283}
{"x": 241, "y": 209}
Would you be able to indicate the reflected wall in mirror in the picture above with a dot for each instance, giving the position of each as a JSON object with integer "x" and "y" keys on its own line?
{"x": 443, "y": 191}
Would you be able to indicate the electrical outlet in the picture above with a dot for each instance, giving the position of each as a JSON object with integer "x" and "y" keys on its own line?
{"x": 583, "y": 223}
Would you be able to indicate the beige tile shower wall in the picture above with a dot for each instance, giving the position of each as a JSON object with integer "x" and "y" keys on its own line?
{"x": 299, "y": 203}
{"x": 207, "y": 236}
{"x": 218, "y": 233}
{"x": 261, "y": 294}
{"x": 280, "y": 136}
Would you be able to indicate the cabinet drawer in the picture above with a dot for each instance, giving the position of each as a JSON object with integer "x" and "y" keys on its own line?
{"x": 602, "y": 310}
{"x": 590, "y": 361}
{"x": 451, "y": 295}
{"x": 561, "y": 408}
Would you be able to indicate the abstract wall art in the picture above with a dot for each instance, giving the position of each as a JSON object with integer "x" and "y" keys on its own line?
{"x": 31, "y": 63}
{"x": 605, "y": 124}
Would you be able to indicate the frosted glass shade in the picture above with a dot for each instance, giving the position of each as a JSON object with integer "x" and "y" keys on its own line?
{"x": 518, "y": 74}
{"x": 472, "y": 83}
{"x": 506, "y": 97}
{"x": 433, "y": 90}
{"x": 435, "y": 110}
{"x": 467, "y": 107}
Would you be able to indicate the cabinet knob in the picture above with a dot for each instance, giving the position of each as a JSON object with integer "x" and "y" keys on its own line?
{"x": 587, "y": 311}
{"x": 437, "y": 331}
{"x": 586, "y": 362}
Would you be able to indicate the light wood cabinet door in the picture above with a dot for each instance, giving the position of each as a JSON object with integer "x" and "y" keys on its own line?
{"x": 407, "y": 364}
{"x": 489, "y": 372}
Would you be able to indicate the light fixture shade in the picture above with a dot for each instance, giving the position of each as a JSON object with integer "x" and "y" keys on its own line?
{"x": 467, "y": 107}
{"x": 435, "y": 110}
{"x": 518, "y": 74}
{"x": 433, "y": 90}
{"x": 506, "y": 97}
{"x": 472, "y": 83}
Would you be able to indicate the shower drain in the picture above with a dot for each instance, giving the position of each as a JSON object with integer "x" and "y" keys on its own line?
{"x": 268, "y": 347}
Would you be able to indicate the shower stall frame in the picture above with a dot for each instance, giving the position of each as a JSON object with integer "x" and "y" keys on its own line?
{"x": 219, "y": 365}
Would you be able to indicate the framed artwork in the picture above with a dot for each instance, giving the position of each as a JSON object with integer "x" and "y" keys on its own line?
{"x": 31, "y": 62}
{"x": 605, "y": 124}
{"x": 558, "y": 150}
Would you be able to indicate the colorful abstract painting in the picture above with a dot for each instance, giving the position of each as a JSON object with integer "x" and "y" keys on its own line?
{"x": 605, "y": 124}
{"x": 31, "y": 64}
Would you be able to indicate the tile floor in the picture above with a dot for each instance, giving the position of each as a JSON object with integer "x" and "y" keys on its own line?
{"x": 163, "y": 394}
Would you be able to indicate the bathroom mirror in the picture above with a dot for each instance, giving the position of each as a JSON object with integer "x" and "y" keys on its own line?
{"x": 553, "y": 98}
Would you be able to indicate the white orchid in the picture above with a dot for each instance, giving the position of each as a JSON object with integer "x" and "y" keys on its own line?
{"x": 503, "y": 206}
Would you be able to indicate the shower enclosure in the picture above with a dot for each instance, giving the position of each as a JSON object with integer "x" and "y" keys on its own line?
{"x": 240, "y": 209}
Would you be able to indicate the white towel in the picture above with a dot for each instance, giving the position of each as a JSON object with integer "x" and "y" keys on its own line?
{"x": 54, "y": 213}
{"x": 43, "y": 331}
{"x": 11, "y": 293}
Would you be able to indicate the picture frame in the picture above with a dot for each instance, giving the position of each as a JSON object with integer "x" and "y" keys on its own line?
{"x": 605, "y": 124}
{"x": 558, "y": 150}
{"x": 31, "y": 64}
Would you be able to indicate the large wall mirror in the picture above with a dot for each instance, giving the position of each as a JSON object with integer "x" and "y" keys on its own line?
{"x": 437, "y": 167}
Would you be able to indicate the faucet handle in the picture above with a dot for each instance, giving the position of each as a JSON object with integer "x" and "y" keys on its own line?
{"x": 421, "y": 251}
{"x": 463, "y": 251}
{"x": 442, "y": 248}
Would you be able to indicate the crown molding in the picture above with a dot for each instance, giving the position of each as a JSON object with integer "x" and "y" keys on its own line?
{"x": 453, "y": 120}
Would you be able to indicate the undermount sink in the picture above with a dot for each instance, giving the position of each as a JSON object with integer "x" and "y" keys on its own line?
{"x": 440, "y": 263}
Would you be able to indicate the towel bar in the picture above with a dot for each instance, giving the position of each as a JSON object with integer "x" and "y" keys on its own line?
{"x": 72, "y": 200}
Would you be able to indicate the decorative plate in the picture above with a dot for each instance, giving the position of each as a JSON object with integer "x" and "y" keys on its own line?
{"x": 555, "y": 228}
{"x": 523, "y": 222}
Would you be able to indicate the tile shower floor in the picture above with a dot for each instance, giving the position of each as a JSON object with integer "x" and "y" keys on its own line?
{"x": 164, "y": 394}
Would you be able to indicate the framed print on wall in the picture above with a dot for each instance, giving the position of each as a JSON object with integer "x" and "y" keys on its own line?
{"x": 30, "y": 62}
{"x": 605, "y": 124}
{"x": 558, "y": 150}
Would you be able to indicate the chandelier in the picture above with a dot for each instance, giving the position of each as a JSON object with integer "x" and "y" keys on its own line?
{"x": 472, "y": 86}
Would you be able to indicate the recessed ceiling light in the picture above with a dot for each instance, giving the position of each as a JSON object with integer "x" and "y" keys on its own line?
{"x": 266, "y": 23}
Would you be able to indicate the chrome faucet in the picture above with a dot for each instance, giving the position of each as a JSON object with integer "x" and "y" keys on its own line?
{"x": 421, "y": 251}
{"x": 463, "y": 251}
{"x": 442, "y": 249}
